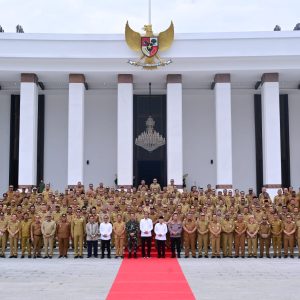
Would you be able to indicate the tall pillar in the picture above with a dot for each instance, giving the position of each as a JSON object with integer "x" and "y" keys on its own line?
{"x": 76, "y": 129}
{"x": 222, "y": 88}
{"x": 125, "y": 130}
{"x": 28, "y": 130}
{"x": 174, "y": 129}
{"x": 271, "y": 133}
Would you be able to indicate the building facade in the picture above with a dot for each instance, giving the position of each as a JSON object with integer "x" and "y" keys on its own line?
{"x": 228, "y": 106}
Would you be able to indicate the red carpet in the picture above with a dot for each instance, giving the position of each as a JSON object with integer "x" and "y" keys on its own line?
{"x": 153, "y": 278}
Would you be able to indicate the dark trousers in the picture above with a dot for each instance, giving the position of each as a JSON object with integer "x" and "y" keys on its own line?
{"x": 63, "y": 246}
{"x": 92, "y": 245}
{"x": 146, "y": 240}
{"x": 105, "y": 244}
{"x": 161, "y": 248}
{"x": 175, "y": 245}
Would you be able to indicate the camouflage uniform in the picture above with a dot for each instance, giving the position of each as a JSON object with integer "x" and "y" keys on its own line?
{"x": 132, "y": 227}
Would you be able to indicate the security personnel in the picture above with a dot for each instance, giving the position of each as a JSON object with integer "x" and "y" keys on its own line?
{"x": 48, "y": 231}
{"x": 240, "y": 234}
{"x": 289, "y": 229}
{"x": 132, "y": 230}
{"x": 119, "y": 233}
{"x": 203, "y": 231}
{"x": 189, "y": 235}
{"x": 3, "y": 228}
{"x": 264, "y": 237}
{"x": 276, "y": 231}
{"x": 78, "y": 232}
{"x": 227, "y": 235}
{"x": 63, "y": 235}
{"x": 215, "y": 236}
{"x": 252, "y": 230}
{"x": 13, "y": 229}
{"x": 25, "y": 235}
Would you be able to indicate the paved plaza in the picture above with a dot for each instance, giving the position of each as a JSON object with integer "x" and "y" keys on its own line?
{"x": 91, "y": 279}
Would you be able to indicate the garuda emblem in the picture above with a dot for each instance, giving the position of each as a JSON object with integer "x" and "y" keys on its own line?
{"x": 149, "y": 44}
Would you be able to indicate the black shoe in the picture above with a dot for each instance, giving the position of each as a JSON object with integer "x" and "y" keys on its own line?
{"x": 186, "y": 256}
{"x": 39, "y": 256}
{"x": 60, "y": 256}
{"x": 34, "y": 256}
{"x": 291, "y": 256}
{"x": 108, "y": 256}
{"x": 122, "y": 256}
{"x": 206, "y": 256}
{"x": 173, "y": 255}
{"x": 50, "y": 256}
{"x": 135, "y": 255}
{"x": 279, "y": 256}
{"x": 95, "y": 256}
{"x": 199, "y": 256}
{"x": 11, "y": 256}
{"x": 76, "y": 256}
{"x": 218, "y": 256}
{"x": 102, "y": 257}
{"x": 261, "y": 256}
{"x": 16, "y": 256}
{"x": 129, "y": 255}
{"x": 236, "y": 256}
{"x": 268, "y": 256}
{"x": 22, "y": 256}
{"x": 45, "y": 257}
{"x": 285, "y": 256}
{"x": 194, "y": 256}
{"x": 81, "y": 256}
{"x": 29, "y": 256}
{"x": 243, "y": 256}
{"x": 230, "y": 256}
{"x": 66, "y": 256}
{"x": 212, "y": 256}
{"x": 274, "y": 256}
{"x": 178, "y": 256}
{"x": 116, "y": 256}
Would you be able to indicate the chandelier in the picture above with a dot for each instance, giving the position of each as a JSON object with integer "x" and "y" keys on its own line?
{"x": 150, "y": 139}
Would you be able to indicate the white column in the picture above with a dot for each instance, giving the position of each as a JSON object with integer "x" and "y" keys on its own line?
{"x": 222, "y": 90}
{"x": 28, "y": 130}
{"x": 174, "y": 129}
{"x": 125, "y": 130}
{"x": 271, "y": 133}
{"x": 76, "y": 129}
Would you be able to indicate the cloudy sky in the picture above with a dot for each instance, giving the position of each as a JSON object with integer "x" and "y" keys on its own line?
{"x": 109, "y": 16}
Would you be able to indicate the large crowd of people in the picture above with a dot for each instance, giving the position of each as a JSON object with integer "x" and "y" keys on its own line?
{"x": 37, "y": 219}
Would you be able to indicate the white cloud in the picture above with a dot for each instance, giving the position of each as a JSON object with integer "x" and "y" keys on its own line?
{"x": 109, "y": 16}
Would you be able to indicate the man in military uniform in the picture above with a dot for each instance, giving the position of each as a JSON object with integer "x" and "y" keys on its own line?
{"x": 276, "y": 231}
{"x": 132, "y": 230}
{"x": 13, "y": 229}
{"x": 3, "y": 228}
{"x": 215, "y": 236}
{"x": 119, "y": 233}
{"x": 189, "y": 228}
{"x": 239, "y": 238}
{"x": 48, "y": 231}
{"x": 77, "y": 231}
{"x": 25, "y": 235}
{"x": 264, "y": 237}
{"x": 227, "y": 235}
{"x": 63, "y": 234}
{"x": 289, "y": 229}
{"x": 252, "y": 230}
{"x": 202, "y": 229}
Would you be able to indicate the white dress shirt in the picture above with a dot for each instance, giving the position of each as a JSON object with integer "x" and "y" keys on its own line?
{"x": 160, "y": 229}
{"x": 146, "y": 225}
{"x": 105, "y": 229}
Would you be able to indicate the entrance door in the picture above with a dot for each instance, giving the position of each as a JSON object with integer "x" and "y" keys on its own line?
{"x": 148, "y": 165}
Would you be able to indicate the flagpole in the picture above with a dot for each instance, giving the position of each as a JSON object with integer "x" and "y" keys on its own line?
{"x": 149, "y": 17}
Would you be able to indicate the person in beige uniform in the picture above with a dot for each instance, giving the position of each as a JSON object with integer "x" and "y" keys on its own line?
{"x": 227, "y": 225}
{"x": 25, "y": 235}
{"x": 78, "y": 231}
{"x": 264, "y": 237}
{"x": 215, "y": 236}
{"x": 36, "y": 236}
{"x": 119, "y": 232}
{"x": 189, "y": 227}
{"x": 48, "y": 231}
{"x": 276, "y": 231}
{"x": 203, "y": 231}
{"x": 252, "y": 230}
{"x": 13, "y": 229}
{"x": 289, "y": 229}
{"x": 298, "y": 236}
{"x": 3, "y": 228}
{"x": 240, "y": 233}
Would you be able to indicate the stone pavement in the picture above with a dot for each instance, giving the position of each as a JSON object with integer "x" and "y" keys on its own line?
{"x": 243, "y": 279}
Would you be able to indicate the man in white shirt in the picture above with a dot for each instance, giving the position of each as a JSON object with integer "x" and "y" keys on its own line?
{"x": 146, "y": 226}
{"x": 161, "y": 230}
{"x": 105, "y": 236}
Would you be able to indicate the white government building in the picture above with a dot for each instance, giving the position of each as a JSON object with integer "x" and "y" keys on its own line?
{"x": 228, "y": 106}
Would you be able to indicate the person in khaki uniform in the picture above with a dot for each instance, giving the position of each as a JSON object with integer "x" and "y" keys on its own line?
{"x": 48, "y": 230}
{"x": 3, "y": 231}
{"x": 227, "y": 235}
{"x": 215, "y": 236}
{"x": 203, "y": 230}
{"x": 63, "y": 235}
{"x": 276, "y": 231}
{"x": 119, "y": 232}
{"x": 36, "y": 236}
{"x": 13, "y": 229}
{"x": 189, "y": 236}
{"x": 78, "y": 231}
{"x": 298, "y": 236}
{"x": 264, "y": 237}
{"x": 252, "y": 230}
{"x": 289, "y": 229}
{"x": 25, "y": 235}
{"x": 240, "y": 235}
